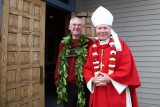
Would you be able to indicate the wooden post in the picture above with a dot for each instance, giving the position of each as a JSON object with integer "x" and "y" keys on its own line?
{"x": 0, "y": 17}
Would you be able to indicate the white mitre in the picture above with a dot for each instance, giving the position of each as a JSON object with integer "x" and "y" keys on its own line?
{"x": 102, "y": 16}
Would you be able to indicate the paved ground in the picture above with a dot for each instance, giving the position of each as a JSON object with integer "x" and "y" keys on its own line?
{"x": 50, "y": 94}
{"x": 50, "y": 100}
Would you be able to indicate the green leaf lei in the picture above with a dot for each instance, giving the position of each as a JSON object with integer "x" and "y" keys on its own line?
{"x": 81, "y": 53}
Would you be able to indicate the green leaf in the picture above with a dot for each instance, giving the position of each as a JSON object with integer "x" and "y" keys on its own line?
{"x": 81, "y": 53}
{"x": 66, "y": 39}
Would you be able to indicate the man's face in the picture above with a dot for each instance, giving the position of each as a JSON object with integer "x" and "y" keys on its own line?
{"x": 75, "y": 27}
{"x": 103, "y": 31}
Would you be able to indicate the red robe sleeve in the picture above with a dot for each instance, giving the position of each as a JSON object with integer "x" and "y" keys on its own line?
{"x": 125, "y": 72}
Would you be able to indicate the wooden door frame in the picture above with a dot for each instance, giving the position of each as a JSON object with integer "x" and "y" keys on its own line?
{"x": 3, "y": 56}
{"x": 3, "y": 51}
{"x": 0, "y": 17}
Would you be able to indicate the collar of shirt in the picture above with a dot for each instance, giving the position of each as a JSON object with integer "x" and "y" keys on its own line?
{"x": 104, "y": 42}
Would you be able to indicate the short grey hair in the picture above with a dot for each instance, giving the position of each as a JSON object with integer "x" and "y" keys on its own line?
{"x": 76, "y": 18}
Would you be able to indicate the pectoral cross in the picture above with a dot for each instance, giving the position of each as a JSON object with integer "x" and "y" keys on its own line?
{"x": 101, "y": 64}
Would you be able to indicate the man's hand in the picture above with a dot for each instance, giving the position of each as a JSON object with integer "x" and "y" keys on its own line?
{"x": 101, "y": 79}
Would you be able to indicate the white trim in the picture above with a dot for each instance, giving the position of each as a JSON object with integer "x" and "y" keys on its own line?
{"x": 90, "y": 85}
{"x": 119, "y": 87}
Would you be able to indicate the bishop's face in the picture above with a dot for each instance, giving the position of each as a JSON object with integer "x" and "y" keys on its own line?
{"x": 103, "y": 31}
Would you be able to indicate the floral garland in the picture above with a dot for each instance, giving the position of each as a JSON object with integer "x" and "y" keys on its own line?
{"x": 112, "y": 58}
{"x": 81, "y": 53}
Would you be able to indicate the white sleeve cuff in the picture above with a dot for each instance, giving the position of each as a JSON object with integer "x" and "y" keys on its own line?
{"x": 119, "y": 87}
{"x": 90, "y": 85}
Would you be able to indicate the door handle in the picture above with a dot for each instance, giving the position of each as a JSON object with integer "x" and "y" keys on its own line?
{"x": 41, "y": 75}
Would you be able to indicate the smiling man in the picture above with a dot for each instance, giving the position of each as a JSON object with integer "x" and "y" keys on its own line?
{"x": 110, "y": 71}
{"x": 68, "y": 73}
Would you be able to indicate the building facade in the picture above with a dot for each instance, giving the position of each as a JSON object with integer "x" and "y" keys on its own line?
{"x": 22, "y": 44}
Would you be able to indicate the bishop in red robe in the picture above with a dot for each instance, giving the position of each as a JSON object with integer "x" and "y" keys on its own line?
{"x": 110, "y": 71}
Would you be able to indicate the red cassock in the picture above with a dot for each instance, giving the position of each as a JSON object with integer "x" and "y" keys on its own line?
{"x": 125, "y": 73}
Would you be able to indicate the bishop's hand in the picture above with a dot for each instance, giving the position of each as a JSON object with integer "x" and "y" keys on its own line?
{"x": 101, "y": 79}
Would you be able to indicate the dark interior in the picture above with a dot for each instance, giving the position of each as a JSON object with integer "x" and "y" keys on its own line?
{"x": 55, "y": 30}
